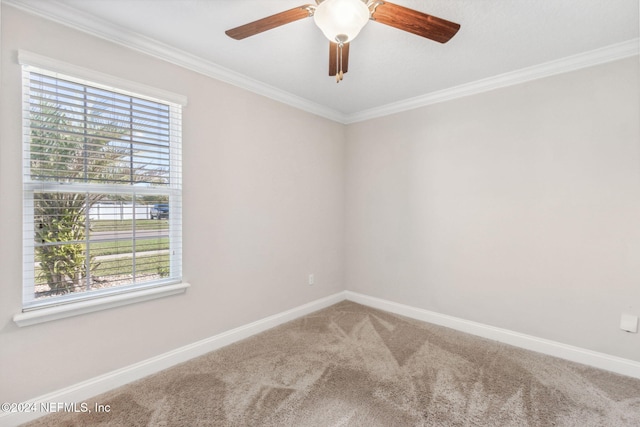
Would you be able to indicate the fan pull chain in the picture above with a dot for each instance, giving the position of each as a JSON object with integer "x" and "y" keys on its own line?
{"x": 338, "y": 64}
{"x": 339, "y": 73}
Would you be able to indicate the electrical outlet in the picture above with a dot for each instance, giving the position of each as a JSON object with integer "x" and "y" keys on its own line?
{"x": 629, "y": 323}
{"x": 312, "y": 279}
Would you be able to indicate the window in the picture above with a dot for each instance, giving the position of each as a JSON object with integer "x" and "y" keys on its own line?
{"x": 102, "y": 190}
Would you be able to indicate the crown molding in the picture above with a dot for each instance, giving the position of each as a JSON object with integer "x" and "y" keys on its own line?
{"x": 571, "y": 63}
{"x": 65, "y": 15}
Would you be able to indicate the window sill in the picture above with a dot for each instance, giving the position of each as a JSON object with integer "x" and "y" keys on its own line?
{"x": 82, "y": 307}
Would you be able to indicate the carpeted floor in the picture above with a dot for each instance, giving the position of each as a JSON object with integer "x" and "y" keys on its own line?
{"x": 350, "y": 365}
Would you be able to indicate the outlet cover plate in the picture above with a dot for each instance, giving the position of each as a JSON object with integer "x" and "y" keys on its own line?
{"x": 629, "y": 322}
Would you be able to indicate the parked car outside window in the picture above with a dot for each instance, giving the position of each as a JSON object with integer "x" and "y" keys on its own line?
{"x": 159, "y": 211}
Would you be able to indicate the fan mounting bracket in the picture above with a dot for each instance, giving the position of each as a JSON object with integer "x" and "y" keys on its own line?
{"x": 373, "y": 5}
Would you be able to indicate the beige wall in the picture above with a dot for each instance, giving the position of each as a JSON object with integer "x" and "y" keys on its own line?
{"x": 517, "y": 208}
{"x": 263, "y": 205}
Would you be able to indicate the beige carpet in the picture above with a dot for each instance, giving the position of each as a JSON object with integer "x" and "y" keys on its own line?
{"x": 350, "y": 365}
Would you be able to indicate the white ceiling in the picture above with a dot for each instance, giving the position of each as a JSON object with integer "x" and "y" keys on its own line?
{"x": 386, "y": 65}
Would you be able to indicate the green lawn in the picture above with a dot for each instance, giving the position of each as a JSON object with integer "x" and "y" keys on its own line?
{"x": 145, "y": 265}
{"x": 127, "y": 224}
{"x": 126, "y": 247}
{"x": 122, "y": 266}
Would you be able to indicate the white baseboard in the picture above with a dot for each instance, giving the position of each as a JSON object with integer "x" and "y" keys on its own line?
{"x": 103, "y": 383}
{"x": 595, "y": 359}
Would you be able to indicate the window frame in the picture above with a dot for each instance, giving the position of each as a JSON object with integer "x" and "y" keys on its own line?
{"x": 72, "y": 304}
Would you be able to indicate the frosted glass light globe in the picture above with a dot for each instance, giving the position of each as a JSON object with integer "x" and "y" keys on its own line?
{"x": 343, "y": 18}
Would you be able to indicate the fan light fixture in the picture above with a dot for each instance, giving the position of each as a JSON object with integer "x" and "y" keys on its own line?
{"x": 341, "y": 20}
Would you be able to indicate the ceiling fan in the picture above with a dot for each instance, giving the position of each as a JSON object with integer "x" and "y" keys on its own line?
{"x": 342, "y": 20}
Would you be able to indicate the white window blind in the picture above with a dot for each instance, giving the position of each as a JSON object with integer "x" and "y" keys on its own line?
{"x": 102, "y": 190}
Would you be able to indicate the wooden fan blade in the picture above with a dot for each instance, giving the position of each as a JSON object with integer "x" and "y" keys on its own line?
{"x": 415, "y": 22}
{"x": 333, "y": 58}
{"x": 268, "y": 23}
